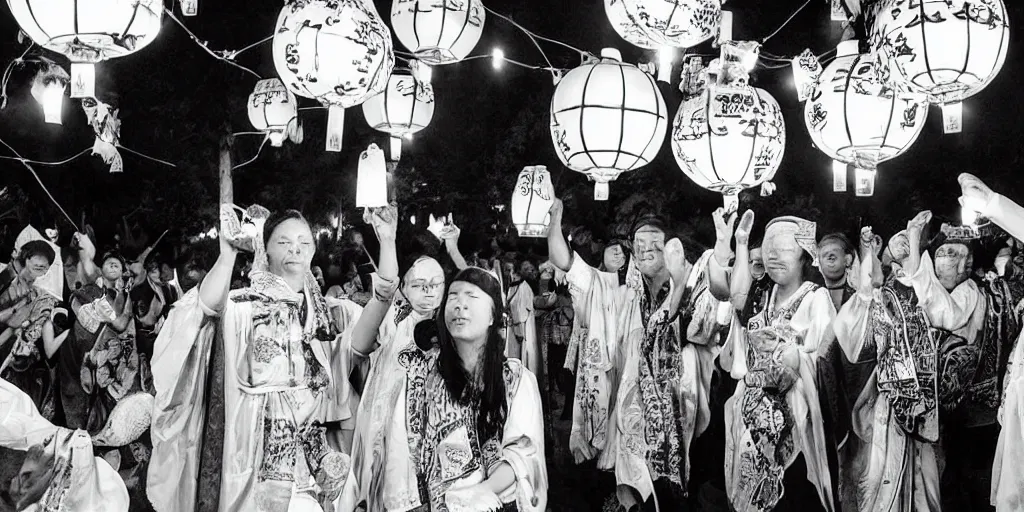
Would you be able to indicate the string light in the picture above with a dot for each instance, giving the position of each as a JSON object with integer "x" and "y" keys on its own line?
{"x": 497, "y": 58}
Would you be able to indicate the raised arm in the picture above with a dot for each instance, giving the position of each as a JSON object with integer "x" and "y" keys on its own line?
{"x": 558, "y": 249}
{"x": 739, "y": 286}
{"x": 450, "y": 234}
{"x": 719, "y": 266}
{"x": 1002, "y": 211}
{"x": 915, "y": 229}
{"x": 385, "y": 282}
{"x": 86, "y": 257}
{"x": 213, "y": 292}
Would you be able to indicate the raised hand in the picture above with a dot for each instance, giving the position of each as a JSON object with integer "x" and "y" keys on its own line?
{"x": 745, "y": 227}
{"x": 723, "y": 225}
{"x": 975, "y": 193}
{"x": 675, "y": 260}
{"x": 384, "y": 220}
{"x": 436, "y": 226}
{"x": 451, "y": 232}
{"x": 556, "y": 211}
{"x": 917, "y": 224}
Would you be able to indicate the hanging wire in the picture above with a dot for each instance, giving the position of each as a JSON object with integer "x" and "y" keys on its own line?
{"x": 24, "y": 162}
{"x": 37, "y": 162}
{"x": 216, "y": 55}
{"x": 231, "y": 54}
{"x": 9, "y": 71}
{"x": 253, "y": 159}
{"x": 248, "y": 133}
{"x": 791, "y": 16}
{"x": 147, "y": 157}
{"x": 514, "y": 62}
{"x": 533, "y": 35}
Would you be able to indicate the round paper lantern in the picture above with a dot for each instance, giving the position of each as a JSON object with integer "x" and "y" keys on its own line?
{"x": 607, "y": 118}
{"x": 405, "y": 107}
{"x": 438, "y": 31}
{"x": 946, "y": 49}
{"x": 626, "y": 26}
{"x": 531, "y": 202}
{"x": 273, "y": 109}
{"x": 729, "y": 139}
{"x": 679, "y": 23}
{"x": 89, "y": 31}
{"x": 855, "y": 118}
{"x": 335, "y": 51}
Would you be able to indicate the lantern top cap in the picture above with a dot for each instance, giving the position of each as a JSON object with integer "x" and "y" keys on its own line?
{"x": 611, "y": 53}
{"x": 848, "y": 48}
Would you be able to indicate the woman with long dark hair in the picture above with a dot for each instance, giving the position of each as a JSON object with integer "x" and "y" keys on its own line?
{"x": 467, "y": 433}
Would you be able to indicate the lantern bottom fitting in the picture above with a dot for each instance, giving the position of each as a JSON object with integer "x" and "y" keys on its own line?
{"x": 276, "y": 138}
{"x": 947, "y": 86}
{"x": 436, "y": 56}
{"x": 532, "y": 230}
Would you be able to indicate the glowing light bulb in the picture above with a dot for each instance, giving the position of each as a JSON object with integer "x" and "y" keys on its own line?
{"x": 408, "y": 136}
{"x": 52, "y": 100}
{"x": 412, "y": 220}
{"x": 968, "y": 217}
{"x": 497, "y": 58}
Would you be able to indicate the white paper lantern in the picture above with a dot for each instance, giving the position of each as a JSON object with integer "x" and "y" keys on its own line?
{"x": 626, "y": 26}
{"x": 438, "y": 31}
{"x": 607, "y": 117}
{"x": 531, "y": 202}
{"x": 89, "y": 31}
{"x": 405, "y": 107}
{"x": 947, "y": 49}
{"x": 855, "y": 118}
{"x": 335, "y": 51}
{"x": 729, "y": 138}
{"x": 273, "y": 109}
{"x": 679, "y": 23}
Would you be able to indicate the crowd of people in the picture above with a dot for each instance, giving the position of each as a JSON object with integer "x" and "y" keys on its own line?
{"x": 781, "y": 369}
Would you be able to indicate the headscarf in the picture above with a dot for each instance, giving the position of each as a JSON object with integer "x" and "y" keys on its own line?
{"x": 52, "y": 282}
{"x": 804, "y": 231}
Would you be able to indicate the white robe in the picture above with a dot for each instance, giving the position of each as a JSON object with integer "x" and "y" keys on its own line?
{"x": 524, "y": 327}
{"x": 1008, "y": 467}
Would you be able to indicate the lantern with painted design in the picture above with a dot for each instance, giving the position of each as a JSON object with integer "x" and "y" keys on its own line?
{"x": 531, "y": 202}
{"x": 405, "y": 107}
{"x": 626, "y": 26}
{"x": 947, "y": 49}
{"x": 855, "y": 118}
{"x": 89, "y": 31}
{"x": 273, "y": 110}
{"x": 338, "y": 52}
{"x": 676, "y": 23}
{"x": 438, "y": 31}
{"x": 607, "y": 118}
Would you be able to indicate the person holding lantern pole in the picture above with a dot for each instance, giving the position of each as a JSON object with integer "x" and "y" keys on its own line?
{"x": 653, "y": 339}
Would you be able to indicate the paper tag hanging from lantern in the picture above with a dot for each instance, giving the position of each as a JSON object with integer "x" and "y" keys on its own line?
{"x": 838, "y": 11}
{"x": 190, "y": 7}
{"x": 952, "y": 117}
{"x": 865, "y": 182}
{"x": 806, "y": 70}
{"x": 335, "y": 127}
{"x": 731, "y": 203}
{"x": 396, "y": 148}
{"x": 725, "y": 28}
{"x": 531, "y": 202}
{"x": 694, "y": 78}
{"x": 372, "y": 179}
{"x": 839, "y": 176}
{"x": 665, "y": 57}
{"x": 601, "y": 191}
{"x": 83, "y": 80}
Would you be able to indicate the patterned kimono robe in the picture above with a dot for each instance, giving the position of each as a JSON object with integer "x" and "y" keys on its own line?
{"x": 278, "y": 389}
{"x": 663, "y": 365}
{"x": 597, "y": 299}
{"x": 897, "y": 415}
{"x": 774, "y": 414}
{"x": 414, "y": 443}
{"x": 26, "y": 365}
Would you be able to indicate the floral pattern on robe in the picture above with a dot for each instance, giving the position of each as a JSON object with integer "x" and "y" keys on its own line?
{"x": 27, "y": 366}
{"x": 774, "y": 414}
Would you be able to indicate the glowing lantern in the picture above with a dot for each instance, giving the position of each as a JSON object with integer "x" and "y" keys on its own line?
{"x": 679, "y": 23}
{"x": 372, "y": 179}
{"x": 731, "y": 136}
{"x": 405, "y": 107}
{"x": 272, "y": 109}
{"x": 626, "y": 26}
{"x": 335, "y": 51}
{"x": 531, "y": 202}
{"x": 607, "y": 118}
{"x": 48, "y": 89}
{"x": 855, "y": 118}
{"x": 89, "y": 31}
{"x": 438, "y": 31}
{"x": 947, "y": 49}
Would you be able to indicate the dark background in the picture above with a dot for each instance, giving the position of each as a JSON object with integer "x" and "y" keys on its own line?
{"x": 176, "y": 101}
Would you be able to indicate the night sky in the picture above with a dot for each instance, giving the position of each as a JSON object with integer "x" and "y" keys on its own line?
{"x": 176, "y": 100}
